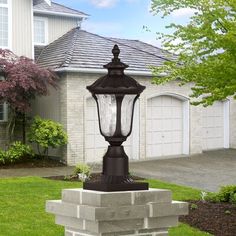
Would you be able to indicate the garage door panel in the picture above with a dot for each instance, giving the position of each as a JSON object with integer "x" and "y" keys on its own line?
{"x": 177, "y": 112}
{"x": 167, "y": 129}
{"x": 166, "y": 112}
{"x": 167, "y": 124}
{"x": 156, "y": 113}
{"x": 177, "y": 125}
{"x": 157, "y": 137}
{"x": 167, "y": 149}
{"x": 157, "y": 125}
{"x": 166, "y": 101}
{"x": 177, "y": 136}
{"x": 213, "y": 126}
{"x": 91, "y": 127}
{"x": 149, "y": 125}
{"x": 90, "y": 141}
{"x": 156, "y": 150}
{"x": 149, "y": 112}
{"x": 167, "y": 137}
{"x": 149, "y": 138}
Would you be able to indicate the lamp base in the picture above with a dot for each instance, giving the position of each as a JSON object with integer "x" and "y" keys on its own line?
{"x": 108, "y": 187}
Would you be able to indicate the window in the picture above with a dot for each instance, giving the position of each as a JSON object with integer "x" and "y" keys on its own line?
{"x": 40, "y": 31}
{"x": 4, "y": 24}
{"x": 3, "y": 112}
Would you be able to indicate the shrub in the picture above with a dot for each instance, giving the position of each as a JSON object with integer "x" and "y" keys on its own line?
{"x": 226, "y": 194}
{"x": 15, "y": 152}
{"x": 2, "y": 157}
{"x": 47, "y": 133}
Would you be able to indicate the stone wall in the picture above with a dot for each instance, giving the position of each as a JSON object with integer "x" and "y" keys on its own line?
{"x": 135, "y": 213}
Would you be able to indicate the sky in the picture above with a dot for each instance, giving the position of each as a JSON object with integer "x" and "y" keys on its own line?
{"x": 125, "y": 18}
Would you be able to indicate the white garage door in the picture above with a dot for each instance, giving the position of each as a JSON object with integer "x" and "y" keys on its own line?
{"x": 95, "y": 144}
{"x": 214, "y": 130}
{"x": 164, "y": 126}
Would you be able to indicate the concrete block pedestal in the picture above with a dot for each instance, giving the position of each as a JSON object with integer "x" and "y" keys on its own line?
{"x": 91, "y": 213}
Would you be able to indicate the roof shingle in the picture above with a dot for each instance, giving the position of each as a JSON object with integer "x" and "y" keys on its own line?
{"x": 80, "y": 49}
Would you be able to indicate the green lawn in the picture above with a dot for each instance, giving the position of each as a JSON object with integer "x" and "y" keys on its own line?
{"x": 22, "y": 206}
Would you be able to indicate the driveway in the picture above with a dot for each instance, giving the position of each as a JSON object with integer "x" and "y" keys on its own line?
{"x": 207, "y": 171}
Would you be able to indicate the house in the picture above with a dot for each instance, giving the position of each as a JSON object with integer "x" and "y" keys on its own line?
{"x": 165, "y": 124}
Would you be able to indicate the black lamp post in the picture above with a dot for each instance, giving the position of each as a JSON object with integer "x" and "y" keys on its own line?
{"x": 115, "y": 95}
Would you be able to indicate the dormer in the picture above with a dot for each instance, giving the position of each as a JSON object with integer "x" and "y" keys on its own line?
{"x": 35, "y": 2}
{"x": 52, "y": 20}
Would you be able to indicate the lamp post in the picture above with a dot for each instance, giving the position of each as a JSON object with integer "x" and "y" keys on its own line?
{"x": 115, "y": 95}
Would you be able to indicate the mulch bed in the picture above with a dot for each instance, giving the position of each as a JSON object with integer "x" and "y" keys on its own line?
{"x": 218, "y": 219}
{"x": 94, "y": 178}
{"x": 34, "y": 163}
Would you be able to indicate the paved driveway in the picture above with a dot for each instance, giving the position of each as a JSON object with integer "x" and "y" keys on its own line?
{"x": 207, "y": 171}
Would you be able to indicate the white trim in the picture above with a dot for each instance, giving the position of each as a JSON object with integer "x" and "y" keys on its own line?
{"x": 226, "y": 108}
{"x": 186, "y": 117}
{"x": 54, "y": 13}
{"x": 10, "y": 27}
{"x": 9, "y": 8}
{"x": 103, "y": 71}
{"x": 32, "y": 28}
{"x": 45, "y": 19}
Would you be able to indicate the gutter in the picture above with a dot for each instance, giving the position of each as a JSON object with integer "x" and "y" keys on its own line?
{"x": 103, "y": 71}
{"x": 53, "y": 13}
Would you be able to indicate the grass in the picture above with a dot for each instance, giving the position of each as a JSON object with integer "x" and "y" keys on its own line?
{"x": 22, "y": 206}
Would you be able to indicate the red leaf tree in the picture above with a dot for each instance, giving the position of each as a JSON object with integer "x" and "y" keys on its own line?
{"x": 23, "y": 81}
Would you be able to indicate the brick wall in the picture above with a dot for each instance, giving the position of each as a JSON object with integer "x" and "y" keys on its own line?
{"x": 73, "y": 95}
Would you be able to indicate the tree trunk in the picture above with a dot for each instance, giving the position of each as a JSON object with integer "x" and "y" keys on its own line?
{"x": 23, "y": 129}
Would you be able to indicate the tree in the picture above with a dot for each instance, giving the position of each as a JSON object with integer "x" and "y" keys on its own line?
{"x": 24, "y": 81}
{"x": 206, "y": 48}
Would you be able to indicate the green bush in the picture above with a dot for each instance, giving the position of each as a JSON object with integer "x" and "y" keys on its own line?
{"x": 2, "y": 157}
{"x": 226, "y": 194}
{"x": 46, "y": 133}
{"x": 15, "y": 152}
{"x": 82, "y": 168}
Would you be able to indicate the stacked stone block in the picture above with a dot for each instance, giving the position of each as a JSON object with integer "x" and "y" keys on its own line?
{"x": 91, "y": 213}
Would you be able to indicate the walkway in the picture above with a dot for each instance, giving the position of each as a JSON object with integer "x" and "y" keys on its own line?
{"x": 207, "y": 171}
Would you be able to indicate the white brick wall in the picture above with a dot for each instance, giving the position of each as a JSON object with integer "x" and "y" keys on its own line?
{"x": 73, "y": 97}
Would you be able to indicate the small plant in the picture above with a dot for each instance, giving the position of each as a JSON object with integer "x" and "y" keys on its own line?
{"x": 193, "y": 206}
{"x": 83, "y": 171}
{"x": 46, "y": 133}
{"x": 227, "y": 212}
{"x": 15, "y": 152}
{"x": 203, "y": 196}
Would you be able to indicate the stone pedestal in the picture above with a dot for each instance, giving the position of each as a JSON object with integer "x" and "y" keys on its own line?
{"x": 90, "y": 213}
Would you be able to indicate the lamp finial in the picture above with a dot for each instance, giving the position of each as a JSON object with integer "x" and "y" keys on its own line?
{"x": 116, "y": 52}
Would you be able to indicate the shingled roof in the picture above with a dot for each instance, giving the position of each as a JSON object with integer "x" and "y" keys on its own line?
{"x": 79, "y": 49}
{"x": 43, "y": 8}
